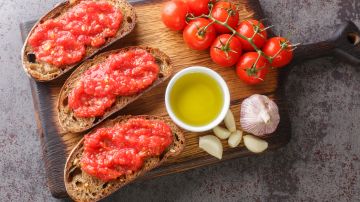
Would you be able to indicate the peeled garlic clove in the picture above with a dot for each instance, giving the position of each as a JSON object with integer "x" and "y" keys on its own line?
{"x": 221, "y": 132}
{"x": 255, "y": 144}
{"x": 235, "y": 138}
{"x": 212, "y": 145}
{"x": 259, "y": 115}
{"x": 230, "y": 121}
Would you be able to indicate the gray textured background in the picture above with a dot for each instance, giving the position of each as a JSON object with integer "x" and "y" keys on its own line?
{"x": 321, "y": 163}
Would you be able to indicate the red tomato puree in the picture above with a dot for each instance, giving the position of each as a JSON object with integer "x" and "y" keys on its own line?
{"x": 61, "y": 41}
{"x": 121, "y": 149}
{"x": 121, "y": 74}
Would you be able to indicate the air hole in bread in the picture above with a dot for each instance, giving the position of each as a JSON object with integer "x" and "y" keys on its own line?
{"x": 129, "y": 20}
{"x": 65, "y": 101}
{"x": 161, "y": 75}
{"x": 121, "y": 178}
{"x": 74, "y": 118}
{"x": 176, "y": 137}
{"x": 105, "y": 185}
{"x": 73, "y": 173}
{"x": 78, "y": 184}
{"x": 158, "y": 61}
{"x": 31, "y": 57}
{"x": 182, "y": 142}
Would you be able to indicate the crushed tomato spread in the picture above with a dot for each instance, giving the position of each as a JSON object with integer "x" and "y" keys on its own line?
{"x": 62, "y": 41}
{"x": 112, "y": 152}
{"x": 121, "y": 74}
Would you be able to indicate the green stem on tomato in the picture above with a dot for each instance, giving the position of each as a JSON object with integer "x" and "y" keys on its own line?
{"x": 283, "y": 45}
{"x": 257, "y": 59}
{"x": 203, "y": 30}
{"x": 229, "y": 39}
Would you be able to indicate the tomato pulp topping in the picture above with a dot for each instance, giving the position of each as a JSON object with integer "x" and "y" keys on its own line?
{"x": 121, "y": 74}
{"x": 121, "y": 149}
{"x": 62, "y": 41}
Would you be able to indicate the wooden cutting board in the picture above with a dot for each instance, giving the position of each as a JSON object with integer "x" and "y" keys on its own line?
{"x": 151, "y": 32}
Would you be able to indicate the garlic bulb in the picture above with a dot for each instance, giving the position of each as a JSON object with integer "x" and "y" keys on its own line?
{"x": 259, "y": 115}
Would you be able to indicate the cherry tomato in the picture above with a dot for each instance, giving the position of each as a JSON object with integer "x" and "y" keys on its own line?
{"x": 248, "y": 28}
{"x": 281, "y": 49}
{"x": 225, "y": 50}
{"x": 195, "y": 35}
{"x": 250, "y": 72}
{"x": 174, "y": 15}
{"x": 198, "y": 7}
{"x": 221, "y": 11}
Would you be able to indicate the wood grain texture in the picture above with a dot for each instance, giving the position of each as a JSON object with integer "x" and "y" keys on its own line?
{"x": 151, "y": 32}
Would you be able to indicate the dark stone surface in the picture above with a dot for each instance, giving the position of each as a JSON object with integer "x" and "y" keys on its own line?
{"x": 321, "y": 162}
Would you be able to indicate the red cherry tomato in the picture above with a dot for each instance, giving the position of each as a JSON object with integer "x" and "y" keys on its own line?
{"x": 198, "y": 7}
{"x": 225, "y": 51}
{"x": 248, "y": 28}
{"x": 221, "y": 11}
{"x": 279, "y": 48}
{"x": 174, "y": 15}
{"x": 250, "y": 72}
{"x": 195, "y": 35}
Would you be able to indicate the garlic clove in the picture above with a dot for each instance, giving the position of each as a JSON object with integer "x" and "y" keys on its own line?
{"x": 212, "y": 145}
{"x": 230, "y": 121}
{"x": 255, "y": 144}
{"x": 259, "y": 115}
{"x": 235, "y": 138}
{"x": 221, "y": 132}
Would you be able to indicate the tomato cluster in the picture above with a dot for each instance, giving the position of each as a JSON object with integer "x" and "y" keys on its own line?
{"x": 216, "y": 25}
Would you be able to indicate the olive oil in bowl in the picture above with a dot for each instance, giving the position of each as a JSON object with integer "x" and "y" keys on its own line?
{"x": 196, "y": 99}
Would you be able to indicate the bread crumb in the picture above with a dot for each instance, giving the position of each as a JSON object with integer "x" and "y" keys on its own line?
{"x": 72, "y": 1}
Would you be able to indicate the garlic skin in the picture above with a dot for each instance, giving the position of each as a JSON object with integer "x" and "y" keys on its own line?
{"x": 259, "y": 115}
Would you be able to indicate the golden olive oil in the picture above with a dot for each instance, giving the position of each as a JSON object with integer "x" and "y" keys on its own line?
{"x": 196, "y": 99}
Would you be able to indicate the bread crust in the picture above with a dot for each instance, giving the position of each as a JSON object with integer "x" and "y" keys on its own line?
{"x": 82, "y": 187}
{"x": 70, "y": 123}
{"x": 44, "y": 72}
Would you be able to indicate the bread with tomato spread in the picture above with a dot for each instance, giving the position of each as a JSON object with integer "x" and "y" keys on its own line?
{"x": 72, "y": 123}
{"x": 84, "y": 187}
{"x": 45, "y": 71}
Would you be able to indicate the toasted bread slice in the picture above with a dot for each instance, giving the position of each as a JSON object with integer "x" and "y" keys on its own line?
{"x": 70, "y": 123}
{"x": 42, "y": 71}
{"x": 83, "y": 187}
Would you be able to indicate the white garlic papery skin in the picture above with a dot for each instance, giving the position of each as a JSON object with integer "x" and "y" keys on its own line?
{"x": 259, "y": 115}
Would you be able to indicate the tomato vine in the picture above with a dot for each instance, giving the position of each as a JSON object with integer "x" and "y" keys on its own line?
{"x": 284, "y": 45}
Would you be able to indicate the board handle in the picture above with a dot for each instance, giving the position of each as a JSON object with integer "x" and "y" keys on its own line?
{"x": 344, "y": 44}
